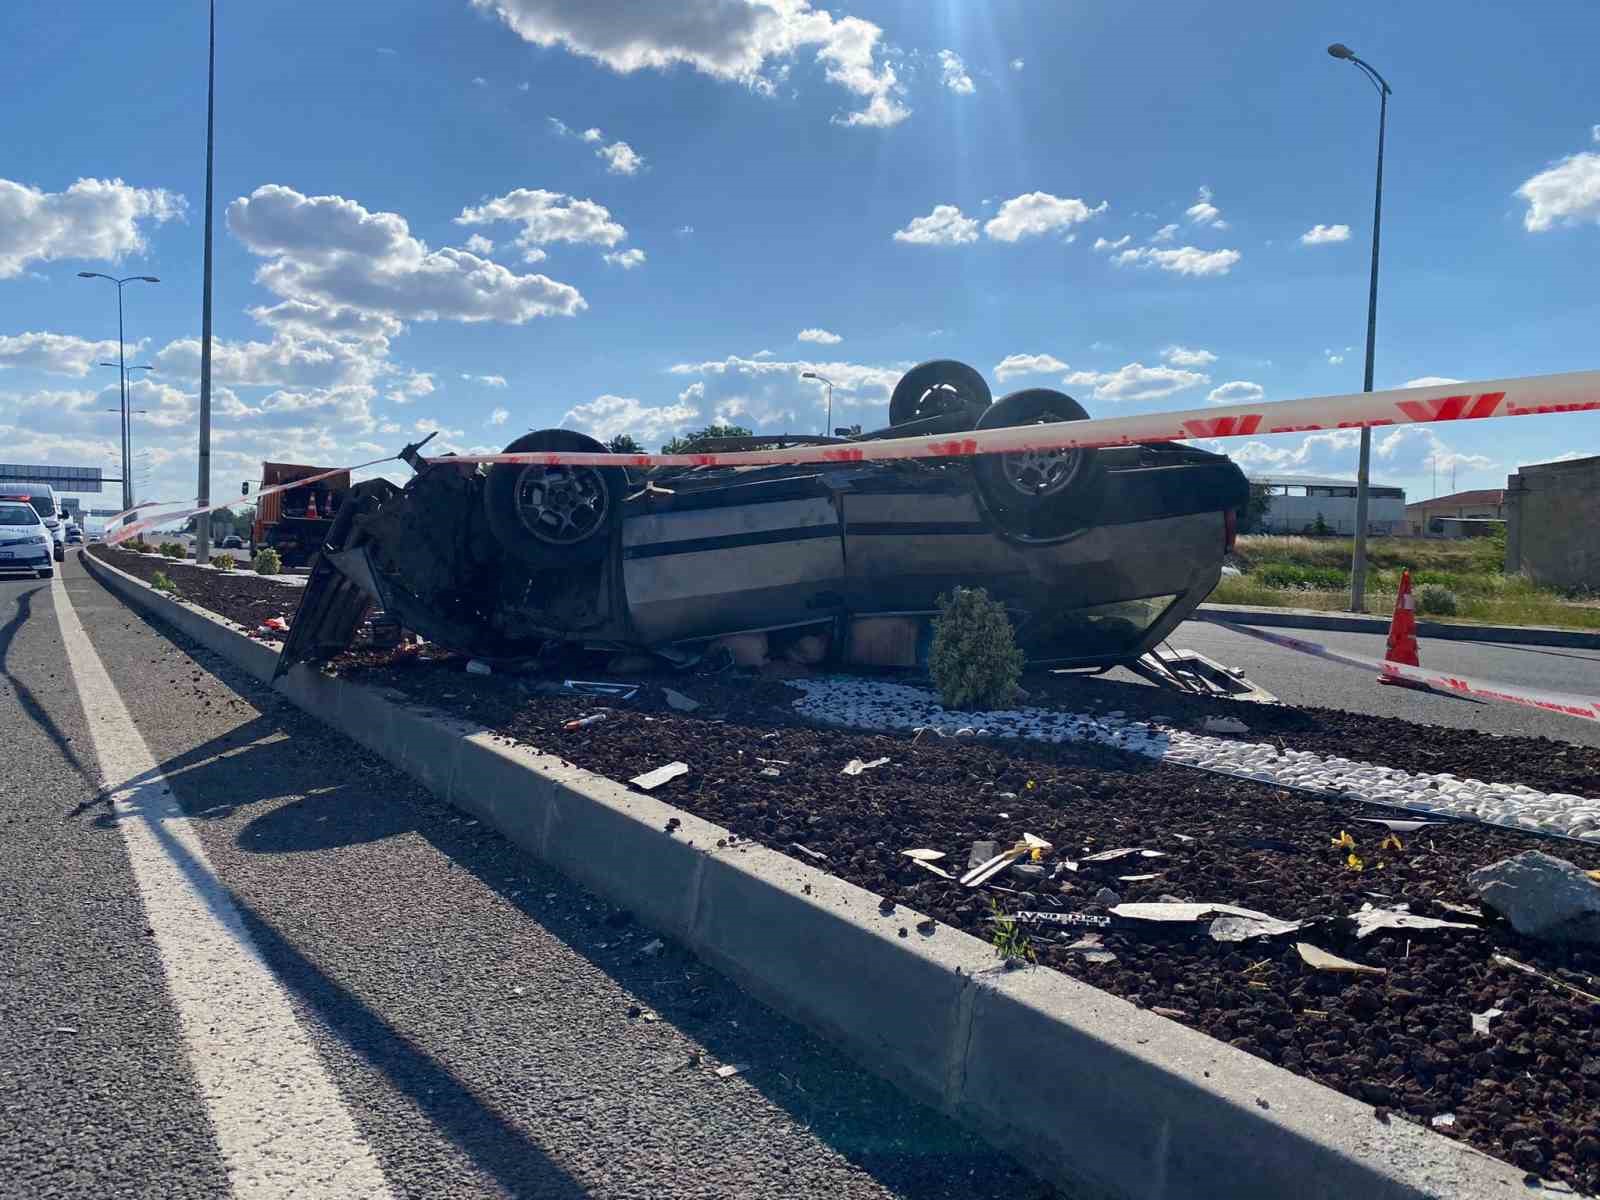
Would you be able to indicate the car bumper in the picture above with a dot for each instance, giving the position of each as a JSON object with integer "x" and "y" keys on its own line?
{"x": 31, "y": 559}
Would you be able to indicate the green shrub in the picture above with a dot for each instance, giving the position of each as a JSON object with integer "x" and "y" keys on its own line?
{"x": 1437, "y": 600}
{"x": 161, "y": 583}
{"x": 267, "y": 562}
{"x": 1292, "y": 575}
{"x": 173, "y": 550}
{"x": 138, "y": 545}
{"x": 974, "y": 662}
{"x": 224, "y": 562}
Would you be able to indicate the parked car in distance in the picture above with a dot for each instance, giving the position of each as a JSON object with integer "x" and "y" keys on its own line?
{"x": 74, "y": 535}
{"x": 24, "y": 541}
{"x": 233, "y": 542}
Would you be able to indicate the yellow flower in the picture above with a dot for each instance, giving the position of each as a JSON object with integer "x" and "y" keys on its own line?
{"x": 1354, "y": 863}
{"x": 1344, "y": 841}
{"x": 1392, "y": 842}
{"x": 1030, "y": 785}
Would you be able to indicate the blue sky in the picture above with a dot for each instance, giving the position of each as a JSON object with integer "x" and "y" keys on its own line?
{"x": 486, "y": 216}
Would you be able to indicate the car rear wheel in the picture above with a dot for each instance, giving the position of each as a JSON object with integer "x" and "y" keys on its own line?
{"x": 1037, "y": 495}
{"x": 935, "y": 388}
{"x": 552, "y": 516}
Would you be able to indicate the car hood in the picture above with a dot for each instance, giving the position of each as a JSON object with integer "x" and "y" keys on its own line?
{"x": 8, "y": 532}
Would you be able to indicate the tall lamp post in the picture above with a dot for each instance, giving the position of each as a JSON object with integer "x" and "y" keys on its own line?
{"x": 823, "y": 379}
{"x": 1358, "y": 565}
{"x": 202, "y": 552}
{"x": 127, "y": 424}
{"x": 127, "y": 486}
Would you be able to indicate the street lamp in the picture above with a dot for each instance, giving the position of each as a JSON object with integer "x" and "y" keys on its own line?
{"x": 1358, "y": 565}
{"x": 127, "y": 487}
{"x": 823, "y": 379}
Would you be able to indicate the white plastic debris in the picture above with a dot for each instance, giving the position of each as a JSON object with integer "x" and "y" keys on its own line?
{"x": 654, "y": 779}
{"x": 1443, "y": 1120}
{"x": 769, "y": 772}
{"x": 678, "y": 702}
{"x": 924, "y": 855}
{"x": 728, "y": 1070}
{"x": 1374, "y": 920}
{"x": 1481, "y": 1022}
{"x": 1225, "y": 725}
{"x": 1320, "y": 960}
{"x": 855, "y": 766}
{"x": 474, "y": 667}
{"x": 1240, "y": 929}
{"x": 1162, "y": 910}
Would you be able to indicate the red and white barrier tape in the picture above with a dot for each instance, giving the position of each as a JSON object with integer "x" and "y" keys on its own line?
{"x": 141, "y": 526}
{"x": 1585, "y": 708}
{"x": 1536, "y": 394}
{"x": 1528, "y": 396}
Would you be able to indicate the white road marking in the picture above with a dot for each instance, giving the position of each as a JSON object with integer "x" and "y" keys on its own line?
{"x": 278, "y": 1118}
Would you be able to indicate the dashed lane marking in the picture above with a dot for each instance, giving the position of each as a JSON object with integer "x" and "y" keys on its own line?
{"x": 280, "y": 1122}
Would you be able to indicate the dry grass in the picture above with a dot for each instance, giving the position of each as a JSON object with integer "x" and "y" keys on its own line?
{"x": 1304, "y": 572}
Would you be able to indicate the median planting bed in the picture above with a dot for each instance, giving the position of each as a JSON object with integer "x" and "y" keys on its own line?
{"x": 1444, "y": 1026}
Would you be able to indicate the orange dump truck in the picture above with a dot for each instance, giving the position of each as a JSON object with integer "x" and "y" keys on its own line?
{"x": 295, "y": 522}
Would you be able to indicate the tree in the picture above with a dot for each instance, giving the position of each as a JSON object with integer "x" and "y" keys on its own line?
{"x": 623, "y": 443}
{"x": 688, "y": 441}
{"x": 1254, "y": 517}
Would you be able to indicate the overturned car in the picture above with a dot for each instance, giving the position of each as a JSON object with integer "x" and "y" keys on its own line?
{"x": 1096, "y": 553}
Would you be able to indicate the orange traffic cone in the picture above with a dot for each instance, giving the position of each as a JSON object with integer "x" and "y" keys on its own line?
{"x": 311, "y": 508}
{"x": 1402, "y": 631}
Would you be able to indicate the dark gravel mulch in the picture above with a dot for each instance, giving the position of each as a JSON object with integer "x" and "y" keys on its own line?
{"x": 244, "y": 599}
{"x": 1529, "y": 1091}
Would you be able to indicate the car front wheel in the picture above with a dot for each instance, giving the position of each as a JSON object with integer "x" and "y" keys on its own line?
{"x": 1037, "y": 495}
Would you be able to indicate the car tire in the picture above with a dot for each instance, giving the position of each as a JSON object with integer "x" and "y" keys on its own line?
{"x": 553, "y": 516}
{"x": 1037, "y": 496}
{"x": 934, "y": 388}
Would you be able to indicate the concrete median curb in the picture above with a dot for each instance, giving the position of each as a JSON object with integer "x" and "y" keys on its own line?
{"x": 1107, "y": 1099}
{"x": 1446, "y": 631}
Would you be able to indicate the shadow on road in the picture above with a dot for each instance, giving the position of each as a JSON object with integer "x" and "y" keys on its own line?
{"x": 25, "y": 697}
{"x": 908, "y": 1148}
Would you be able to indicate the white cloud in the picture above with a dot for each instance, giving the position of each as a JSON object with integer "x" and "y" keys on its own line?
{"x": 1013, "y": 365}
{"x": 1334, "y": 359}
{"x": 332, "y": 252}
{"x": 1594, "y": 133}
{"x": 479, "y": 81}
{"x": 479, "y": 245}
{"x": 1017, "y": 65}
{"x": 1203, "y": 212}
{"x": 626, "y": 259}
{"x": 606, "y": 416}
{"x": 1036, "y": 213}
{"x": 746, "y": 42}
{"x": 685, "y": 230}
{"x": 1183, "y": 356}
{"x": 1321, "y": 235}
{"x": 494, "y": 381}
{"x": 1566, "y": 194}
{"x": 1105, "y": 244}
{"x": 621, "y": 158}
{"x": 1136, "y": 382}
{"x": 411, "y": 386}
{"x": 1165, "y": 234}
{"x": 304, "y": 319}
{"x": 821, "y": 336}
{"x": 953, "y": 73}
{"x": 95, "y": 219}
{"x": 548, "y": 217}
{"x": 57, "y": 353}
{"x": 499, "y": 416}
{"x": 285, "y": 361}
{"x": 1429, "y": 381}
{"x": 944, "y": 226}
{"x": 1239, "y": 391}
{"x": 768, "y": 394}
{"x": 1186, "y": 260}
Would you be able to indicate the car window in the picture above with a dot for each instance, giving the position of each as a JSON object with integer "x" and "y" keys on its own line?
{"x": 17, "y": 514}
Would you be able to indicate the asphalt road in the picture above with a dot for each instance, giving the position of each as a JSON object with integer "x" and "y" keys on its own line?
{"x": 472, "y": 1024}
{"x": 1301, "y": 679}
